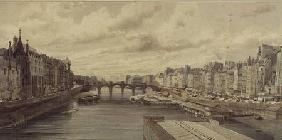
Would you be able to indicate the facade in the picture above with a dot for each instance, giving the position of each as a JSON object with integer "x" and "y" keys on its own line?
{"x": 229, "y": 82}
{"x": 82, "y": 80}
{"x": 267, "y": 54}
{"x": 209, "y": 81}
{"x": 148, "y": 79}
{"x": 159, "y": 79}
{"x": 238, "y": 78}
{"x": 278, "y": 81}
{"x": 210, "y": 69}
{"x": 195, "y": 79}
{"x": 127, "y": 78}
{"x": 186, "y": 71}
{"x": 198, "y": 81}
{"x": 252, "y": 87}
{"x": 26, "y": 73}
{"x": 190, "y": 80}
{"x": 175, "y": 77}
{"x": 253, "y": 77}
{"x": 168, "y": 75}
{"x": 219, "y": 82}
{"x": 10, "y": 77}
{"x": 136, "y": 79}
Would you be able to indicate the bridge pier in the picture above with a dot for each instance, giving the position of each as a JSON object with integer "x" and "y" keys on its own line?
{"x": 122, "y": 86}
{"x": 133, "y": 91}
{"x": 122, "y": 91}
{"x": 111, "y": 91}
{"x": 144, "y": 90}
{"x": 111, "y": 86}
{"x": 99, "y": 91}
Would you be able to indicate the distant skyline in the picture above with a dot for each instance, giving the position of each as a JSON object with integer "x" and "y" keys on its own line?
{"x": 119, "y": 38}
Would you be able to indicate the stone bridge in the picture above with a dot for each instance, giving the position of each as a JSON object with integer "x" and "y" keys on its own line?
{"x": 123, "y": 85}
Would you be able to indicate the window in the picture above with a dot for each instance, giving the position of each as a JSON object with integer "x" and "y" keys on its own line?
{"x": 4, "y": 71}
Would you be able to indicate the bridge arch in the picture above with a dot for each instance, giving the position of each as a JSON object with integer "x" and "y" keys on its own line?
{"x": 110, "y": 85}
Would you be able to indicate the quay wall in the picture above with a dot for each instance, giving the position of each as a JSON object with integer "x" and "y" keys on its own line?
{"x": 230, "y": 109}
{"x": 153, "y": 131}
{"x": 21, "y": 115}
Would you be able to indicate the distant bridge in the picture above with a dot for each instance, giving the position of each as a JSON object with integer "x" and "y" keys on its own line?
{"x": 110, "y": 85}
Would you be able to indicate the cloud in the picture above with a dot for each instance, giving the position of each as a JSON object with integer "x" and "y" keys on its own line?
{"x": 133, "y": 15}
{"x": 140, "y": 38}
{"x": 259, "y": 10}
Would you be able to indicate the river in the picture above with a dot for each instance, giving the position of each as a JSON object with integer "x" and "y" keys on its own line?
{"x": 111, "y": 119}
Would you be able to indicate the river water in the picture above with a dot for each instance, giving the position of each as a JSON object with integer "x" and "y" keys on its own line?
{"x": 110, "y": 119}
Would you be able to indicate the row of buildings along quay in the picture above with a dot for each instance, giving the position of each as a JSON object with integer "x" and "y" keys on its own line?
{"x": 252, "y": 87}
{"x": 25, "y": 73}
{"x": 258, "y": 76}
{"x": 32, "y": 83}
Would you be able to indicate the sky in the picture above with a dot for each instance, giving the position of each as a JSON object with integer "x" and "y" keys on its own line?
{"x": 118, "y": 38}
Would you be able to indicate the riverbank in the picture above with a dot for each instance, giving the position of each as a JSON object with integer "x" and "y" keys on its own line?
{"x": 20, "y": 115}
{"x": 261, "y": 128}
{"x": 154, "y": 98}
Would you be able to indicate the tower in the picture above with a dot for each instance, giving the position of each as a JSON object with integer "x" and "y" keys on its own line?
{"x": 22, "y": 59}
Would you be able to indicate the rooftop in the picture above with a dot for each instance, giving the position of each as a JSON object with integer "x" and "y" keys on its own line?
{"x": 184, "y": 130}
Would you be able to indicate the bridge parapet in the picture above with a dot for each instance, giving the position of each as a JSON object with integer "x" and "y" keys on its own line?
{"x": 143, "y": 86}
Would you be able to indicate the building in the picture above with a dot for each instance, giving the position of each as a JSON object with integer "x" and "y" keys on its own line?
{"x": 229, "y": 65}
{"x": 229, "y": 82}
{"x": 278, "y": 80}
{"x": 148, "y": 79}
{"x": 252, "y": 87}
{"x": 84, "y": 80}
{"x": 10, "y": 76}
{"x": 267, "y": 54}
{"x": 190, "y": 80}
{"x": 27, "y": 73}
{"x": 168, "y": 74}
{"x": 186, "y": 71}
{"x": 195, "y": 79}
{"x": 219, "y": 82}
{"x": 210, "y": 69}
{"x": 209, "y": 81}
{"x": 239, "y": 79}
{"x": 127, "y": 78}
{"x": 159, "y": 79}
{"x": 136, "y": 79}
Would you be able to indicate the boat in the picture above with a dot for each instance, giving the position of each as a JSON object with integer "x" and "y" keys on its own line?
{"x": 258, "y": 117}
{"x": 88, "y": 99}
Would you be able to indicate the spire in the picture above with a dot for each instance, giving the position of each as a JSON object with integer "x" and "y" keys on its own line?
{"x": 27, "y": 46}
{"x": 10, "y": 50}
{"x": 259, "y": 50}
{"x": 19, "y": 46}
{"x": 10, "y": 54}
{"x": 20, "y": 34}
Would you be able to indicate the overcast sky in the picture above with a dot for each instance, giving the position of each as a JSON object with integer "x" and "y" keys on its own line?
{"x": 117, "y": 38}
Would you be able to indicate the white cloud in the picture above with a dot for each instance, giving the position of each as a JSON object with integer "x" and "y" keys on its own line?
{"x": 120, "y": 38}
